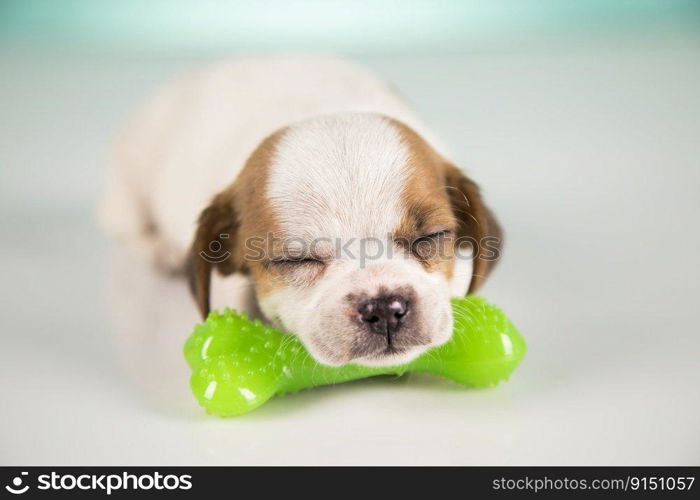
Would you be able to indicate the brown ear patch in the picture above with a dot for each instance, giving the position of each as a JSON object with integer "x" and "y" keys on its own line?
{"x": 477, "y": 224}
{"x": 426, "y": 205}
{"x": 236, "y": 216}
{"x": 213, "y": 247}
{"x": 438, "y": 194}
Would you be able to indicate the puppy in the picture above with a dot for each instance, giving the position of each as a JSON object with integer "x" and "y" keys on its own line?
{"x": 307, "y": 188}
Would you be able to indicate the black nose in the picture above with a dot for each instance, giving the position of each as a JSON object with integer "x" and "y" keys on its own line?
{"x": 385, "y": 314}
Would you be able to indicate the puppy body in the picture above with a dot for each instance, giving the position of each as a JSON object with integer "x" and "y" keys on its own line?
{"x": 318, "y": 152}
{"x": 195, "y": 135}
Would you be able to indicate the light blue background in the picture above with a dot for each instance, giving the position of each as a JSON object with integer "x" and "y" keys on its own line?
{"x": 352, "y": 26}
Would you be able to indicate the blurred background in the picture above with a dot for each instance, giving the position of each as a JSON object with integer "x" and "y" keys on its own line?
{"x": 579, "y": 119}
{"x": 49, "y": 48}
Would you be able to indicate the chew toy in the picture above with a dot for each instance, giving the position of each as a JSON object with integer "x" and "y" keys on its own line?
{"x": 238, "y": 364}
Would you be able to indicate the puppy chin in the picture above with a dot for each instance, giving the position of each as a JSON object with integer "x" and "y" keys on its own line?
{"x": 395, "y": 358}
{"x": 441, "y": 335}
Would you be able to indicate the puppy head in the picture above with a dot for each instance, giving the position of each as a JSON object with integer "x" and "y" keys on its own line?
{"x": 356, "y": 234}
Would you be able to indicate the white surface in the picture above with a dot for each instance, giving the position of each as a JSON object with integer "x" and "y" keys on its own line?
{"x": 590, "y": 155}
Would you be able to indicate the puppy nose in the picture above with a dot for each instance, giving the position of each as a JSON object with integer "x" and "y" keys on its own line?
{"x": 384, "y": 314}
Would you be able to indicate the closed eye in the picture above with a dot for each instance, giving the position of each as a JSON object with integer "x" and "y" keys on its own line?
{"x": 433, "y": 236}
{"x": 429, "y": 245}
{"x": 282, "y": 262}
{"x": 296, "y": 272}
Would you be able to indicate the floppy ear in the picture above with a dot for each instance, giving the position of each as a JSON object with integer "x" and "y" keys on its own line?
{"x": 213, "y": 247}
{"x": 477, "y": 224}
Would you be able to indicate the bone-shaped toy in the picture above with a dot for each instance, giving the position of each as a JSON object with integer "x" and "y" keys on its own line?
{"x": 238, "y": 364}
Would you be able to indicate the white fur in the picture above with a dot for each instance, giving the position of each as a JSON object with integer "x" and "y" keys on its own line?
{"x": 193, "y": 137}
{"x": 462, "y": 272}
{"x": 338, "y": 176}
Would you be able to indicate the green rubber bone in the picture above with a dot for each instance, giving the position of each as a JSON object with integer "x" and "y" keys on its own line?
{"x": 238, "y": 364}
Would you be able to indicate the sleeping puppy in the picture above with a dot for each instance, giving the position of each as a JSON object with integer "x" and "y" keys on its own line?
{"x": 304, "y": 188}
